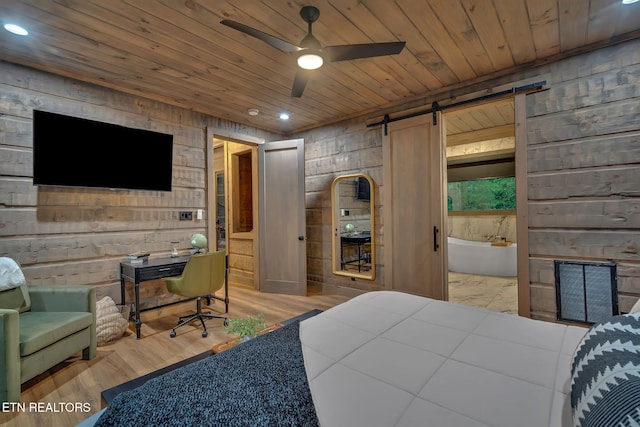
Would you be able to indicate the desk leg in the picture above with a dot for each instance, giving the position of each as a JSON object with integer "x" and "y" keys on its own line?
{"x": 136, "y": 291}
{"x": 122, "y": 295}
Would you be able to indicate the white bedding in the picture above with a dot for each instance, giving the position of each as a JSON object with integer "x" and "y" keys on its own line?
{"x": 394, "y": 359}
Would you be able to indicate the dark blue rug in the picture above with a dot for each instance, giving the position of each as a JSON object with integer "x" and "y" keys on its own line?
{"x": 259, "y": 383}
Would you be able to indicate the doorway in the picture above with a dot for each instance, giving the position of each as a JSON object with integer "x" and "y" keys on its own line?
{"x": 234, "y": 180}
{"x": 257, "y": 210}
{"x": 481, "y": 226}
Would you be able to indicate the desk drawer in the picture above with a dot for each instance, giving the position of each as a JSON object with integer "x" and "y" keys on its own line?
{"x": 151, "y": 273}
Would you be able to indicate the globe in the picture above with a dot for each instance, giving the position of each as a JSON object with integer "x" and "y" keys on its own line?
{"x": 198, "y": 241}
{"x": 349, "y": 228}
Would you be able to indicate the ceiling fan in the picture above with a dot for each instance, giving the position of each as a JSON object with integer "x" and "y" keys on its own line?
{"x": 310, "y": 53}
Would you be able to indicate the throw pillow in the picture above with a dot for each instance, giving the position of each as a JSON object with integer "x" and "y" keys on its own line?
{"x": 110, "y": 321}
{"x": 605, "y": 374}
{"x": 11, "y": 275}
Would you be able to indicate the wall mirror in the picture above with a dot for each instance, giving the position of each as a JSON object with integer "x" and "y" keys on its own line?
{"x": 353, "y": 252}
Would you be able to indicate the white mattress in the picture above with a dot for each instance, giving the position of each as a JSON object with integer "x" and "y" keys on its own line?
{"x": 394, "y": 359}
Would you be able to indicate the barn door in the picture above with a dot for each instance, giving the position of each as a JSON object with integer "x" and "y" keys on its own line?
{"x": 415, "y": 249}
{"x": 283, "y": 253}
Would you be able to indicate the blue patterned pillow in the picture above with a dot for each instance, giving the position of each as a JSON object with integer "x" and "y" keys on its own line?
{"x": 605, "y": 375}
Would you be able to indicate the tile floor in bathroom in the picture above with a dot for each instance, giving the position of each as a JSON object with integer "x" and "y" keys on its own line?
{"x": 493, "y": 293}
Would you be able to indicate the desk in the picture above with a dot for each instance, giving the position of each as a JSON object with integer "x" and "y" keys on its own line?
{"x": 357, "y": 239}
{"x": 149, "y": 270}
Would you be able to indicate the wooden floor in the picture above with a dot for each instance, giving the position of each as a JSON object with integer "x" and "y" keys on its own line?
{"x": 78, "y": 381}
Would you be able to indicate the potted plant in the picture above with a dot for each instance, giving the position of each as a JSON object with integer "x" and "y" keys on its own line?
{"x": 246, "y": 328}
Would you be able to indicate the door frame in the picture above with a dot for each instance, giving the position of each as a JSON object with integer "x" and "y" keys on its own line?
{"x": 223, "y": 134}
{"x": 522, "y": 205}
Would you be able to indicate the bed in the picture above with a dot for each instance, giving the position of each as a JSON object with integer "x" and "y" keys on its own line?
{"x": 393, "y": 359}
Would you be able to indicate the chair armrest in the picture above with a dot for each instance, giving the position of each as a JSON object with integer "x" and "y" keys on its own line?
{"x": 9, "y": 355}
{"x": 63, "y": 298}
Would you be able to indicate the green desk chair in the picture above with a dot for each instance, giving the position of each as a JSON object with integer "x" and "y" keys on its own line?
{"x": 203, "y": 275}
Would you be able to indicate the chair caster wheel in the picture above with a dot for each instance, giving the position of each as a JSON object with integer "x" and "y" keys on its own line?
{"x": 226, "y": 322}
{"x": 204, "y": 334}
{"x": 172, "y": 334}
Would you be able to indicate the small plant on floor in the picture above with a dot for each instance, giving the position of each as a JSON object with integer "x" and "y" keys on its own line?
{"x": 246, "y": 328}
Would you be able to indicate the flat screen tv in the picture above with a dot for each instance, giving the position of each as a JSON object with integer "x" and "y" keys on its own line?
{"x": 363, "y": 189}
{"x": 70, "y": 151}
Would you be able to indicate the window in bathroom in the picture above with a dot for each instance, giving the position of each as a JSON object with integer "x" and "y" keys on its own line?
{"x": 487, "y": 194}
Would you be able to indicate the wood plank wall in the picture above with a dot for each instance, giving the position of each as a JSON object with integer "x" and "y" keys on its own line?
{"x": 343, "y": 149}
{"x": 583, "y": 168}
{"x": 79, "y": 235}
{"x": 583, "y": 172}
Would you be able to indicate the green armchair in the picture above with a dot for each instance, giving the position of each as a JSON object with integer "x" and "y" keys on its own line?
{"x": 41, "y": 326}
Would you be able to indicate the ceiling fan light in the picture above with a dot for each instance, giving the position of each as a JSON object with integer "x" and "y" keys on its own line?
{"x": 310, "y": 61}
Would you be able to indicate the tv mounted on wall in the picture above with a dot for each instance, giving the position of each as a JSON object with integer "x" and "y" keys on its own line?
{"x": 71, "y": 151}
{"x": 363, "y": 189}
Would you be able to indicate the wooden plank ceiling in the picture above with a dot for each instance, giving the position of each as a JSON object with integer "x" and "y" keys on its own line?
{"x": 178, "y": 52}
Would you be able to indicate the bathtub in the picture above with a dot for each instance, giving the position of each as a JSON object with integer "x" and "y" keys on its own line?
{"x": 481, "y": 258}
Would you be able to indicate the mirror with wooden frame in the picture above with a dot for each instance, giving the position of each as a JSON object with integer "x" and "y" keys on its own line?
{"x": 352, "y": 213}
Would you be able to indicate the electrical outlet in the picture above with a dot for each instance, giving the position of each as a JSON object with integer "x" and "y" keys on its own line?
{"x": 186, "y": 216}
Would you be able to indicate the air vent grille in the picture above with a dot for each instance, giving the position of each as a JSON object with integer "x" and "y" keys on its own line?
{"x": 586, "y": 292}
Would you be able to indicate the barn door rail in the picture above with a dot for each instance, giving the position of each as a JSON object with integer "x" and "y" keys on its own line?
{"x": 435, "y": 107}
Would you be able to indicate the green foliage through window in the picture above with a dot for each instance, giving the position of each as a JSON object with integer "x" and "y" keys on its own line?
{"x": 482, "y": 194}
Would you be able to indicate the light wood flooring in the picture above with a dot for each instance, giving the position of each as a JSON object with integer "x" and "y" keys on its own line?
{"x": 492, "y": 293}
{"x": 82, "y": 381}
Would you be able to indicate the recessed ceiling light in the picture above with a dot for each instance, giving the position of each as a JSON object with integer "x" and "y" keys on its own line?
{"x": 629, "y": 1}
{"x": 16, "y": 29}
{"x": 284, "y": 116}
{"x": 253, "y": 111}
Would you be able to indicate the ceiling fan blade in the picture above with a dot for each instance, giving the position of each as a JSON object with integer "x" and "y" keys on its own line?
{"x": 280, "y": 44}
{"x": 300, "y": 82}
{"x": 357, "y": 51}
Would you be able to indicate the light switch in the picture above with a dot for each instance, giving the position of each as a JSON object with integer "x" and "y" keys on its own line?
{"x": 199, "y": 214}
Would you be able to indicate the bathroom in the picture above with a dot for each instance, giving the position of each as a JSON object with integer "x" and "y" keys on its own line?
{"x": 481, "y": 197}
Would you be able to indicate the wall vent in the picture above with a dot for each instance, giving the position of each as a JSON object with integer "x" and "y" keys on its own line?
{"x": 586, "y": 292}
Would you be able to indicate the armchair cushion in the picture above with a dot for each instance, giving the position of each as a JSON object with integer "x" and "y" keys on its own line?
{"x": 41, "y": 329}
